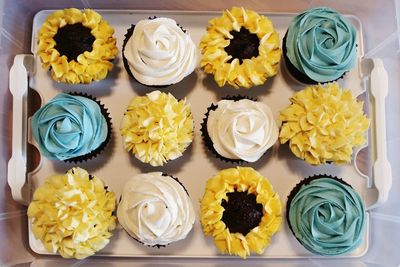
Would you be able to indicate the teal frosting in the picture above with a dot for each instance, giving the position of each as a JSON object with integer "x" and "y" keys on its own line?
{"x": 327, "y": 217}
{"x": 69, "y": 126}
{"x": 321, "y": 44}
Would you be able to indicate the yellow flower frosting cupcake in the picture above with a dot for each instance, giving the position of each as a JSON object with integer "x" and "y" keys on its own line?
{"x": 76, "y": 46}
{"x": 240, "y": 211}
{"x": 157, "y": 127}
{"x": 72, "y": 214}
{"x": 323, "y": 124}
{"x": 240, "y": 48}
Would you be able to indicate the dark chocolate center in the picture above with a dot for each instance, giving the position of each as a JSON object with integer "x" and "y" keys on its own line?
{"x": 73, "y": 39}
{"x": 243, "y": 45}
{"x": 242, "y": 212}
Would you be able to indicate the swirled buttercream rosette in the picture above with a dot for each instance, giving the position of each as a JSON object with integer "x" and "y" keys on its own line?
{"x": 240, "y": 48}
{"x": 326, "y": 215}
{"x": 319, "y": 46}
{"x": 158, "y": 52}
{"x": 73, "y": 214}
{"x": 239, "y": 129}
{"x": 73, "y": 127}
{"x": 76, "y": 46}
{"x": 155, "y": 209}
{"x": 241, "y": 211}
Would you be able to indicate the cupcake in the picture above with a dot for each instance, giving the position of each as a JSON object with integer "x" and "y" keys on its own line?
{"x": 158, "y": 52}
{"x": 240, "y": 48}
{"x": 71, "y": 127}
{"x": 72, "y": 214}
{"x": 319, "y": 46}
{"x": 240, "y": 211}
{"x": 155, "y": 209}
{"x": 76, "y": 46}
{"x": 326, "y": 215}
{"x": 238, "y": 129}
{"x": 157, "y": 127}
{"x": 323, "y": 124}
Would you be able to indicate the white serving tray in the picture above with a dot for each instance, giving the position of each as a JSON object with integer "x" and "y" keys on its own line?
{"x": 115, "y": 165}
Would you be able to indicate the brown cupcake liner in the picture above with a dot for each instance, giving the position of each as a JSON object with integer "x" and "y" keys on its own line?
{"x": 125, "y": 61}
{"x": 297, "y": 74}
{"x": 98, "y": 150}
{"x": 206, "y": 137}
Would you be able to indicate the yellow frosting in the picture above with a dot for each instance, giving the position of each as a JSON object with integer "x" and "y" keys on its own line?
{"x": 240, "y": 179}
{"x": 157, "y": 127}
{"x": 90, "y": 66}
{"x": 323, "y": 124}
{"x": 73, "y": 214}
{"x": 250, "y": 72}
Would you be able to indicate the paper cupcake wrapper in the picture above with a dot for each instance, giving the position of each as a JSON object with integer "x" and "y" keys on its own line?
{"x": 298, "y": 75}
{"x": 125, "y": 61}
{"x": 206, "y": 137}
{"x": 97, "y": 151}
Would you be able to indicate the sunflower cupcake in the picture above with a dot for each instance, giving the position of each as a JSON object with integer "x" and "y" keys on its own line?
{"x": 240, "y": 48}
{"x": 76, "y": 46}
{"x": 240, "y": 211}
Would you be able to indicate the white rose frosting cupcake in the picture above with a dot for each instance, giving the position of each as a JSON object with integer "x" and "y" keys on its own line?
{"x": 157, "y": 52}
{"x": 155, "y": 209}
{"x": 239, "y": 129}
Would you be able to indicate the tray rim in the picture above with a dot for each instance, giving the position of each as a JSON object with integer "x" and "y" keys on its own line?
{"x": 217, "y": 256}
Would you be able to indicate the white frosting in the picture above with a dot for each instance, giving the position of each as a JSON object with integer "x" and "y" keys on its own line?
{"x": 159, "y": 52}
{"x": 242, "y": 129}
{"x": 155, "y": 209}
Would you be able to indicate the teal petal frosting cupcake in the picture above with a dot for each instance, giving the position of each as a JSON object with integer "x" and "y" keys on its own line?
{"x": 319, "y": 46}
{"x": 326, "y": 215}
{"x": 71, "y": 127}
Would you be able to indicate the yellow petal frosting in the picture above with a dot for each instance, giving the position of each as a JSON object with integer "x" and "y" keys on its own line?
{"x": 323, "y": 124}
{"x": 72, "y": 214}
{"x": 251, "y": 72}
{"x": 240, "y": 179}
{"x": 90, "y": 65}
{"x": 157, "y": 127}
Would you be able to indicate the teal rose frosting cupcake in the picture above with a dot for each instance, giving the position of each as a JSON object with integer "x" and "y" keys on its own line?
{"x": 319, "y": 46}
{"x": 71, "y": 127}
{"x": 326, "y": 215}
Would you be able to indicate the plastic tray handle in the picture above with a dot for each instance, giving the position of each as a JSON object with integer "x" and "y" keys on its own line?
{"x": 382, "y": 171}
{"x": 17, "y": 163}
